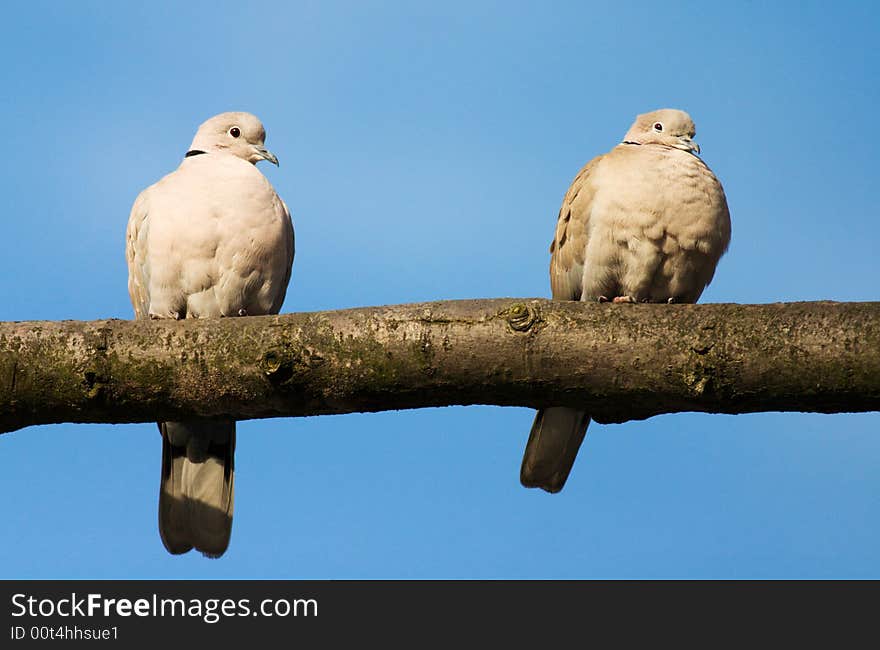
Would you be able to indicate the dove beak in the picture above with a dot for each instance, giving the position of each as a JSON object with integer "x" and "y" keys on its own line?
{"x": 688, "y": 144}
{"x": 264, "y": 154}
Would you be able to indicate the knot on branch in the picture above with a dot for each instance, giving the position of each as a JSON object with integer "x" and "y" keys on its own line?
{"x": 273, "y": 362}
{"x": 280, "y": 365}
{"x": 520, "y": 317}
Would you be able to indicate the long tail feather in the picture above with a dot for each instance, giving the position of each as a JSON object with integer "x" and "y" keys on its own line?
{"x": 556, "y": 436}
{"x": 197, "y": 490}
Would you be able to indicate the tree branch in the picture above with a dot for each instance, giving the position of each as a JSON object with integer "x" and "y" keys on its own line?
{"x": 622, "y": 362}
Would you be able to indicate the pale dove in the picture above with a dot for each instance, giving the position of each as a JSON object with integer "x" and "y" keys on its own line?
{"x": 646, "y": 222}
{"x": 210, "y": 239}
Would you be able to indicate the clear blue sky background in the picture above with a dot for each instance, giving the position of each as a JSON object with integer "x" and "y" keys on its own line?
{"x": 425, "y": 148}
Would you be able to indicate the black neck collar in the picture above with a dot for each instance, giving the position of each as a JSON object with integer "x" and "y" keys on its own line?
{"x": 193, "y": 152}
{"x": 624, "y": 142}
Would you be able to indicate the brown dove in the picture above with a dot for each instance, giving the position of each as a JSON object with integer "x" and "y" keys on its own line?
{"x": 210, "y": 239}
{"x": 646, "y": 222}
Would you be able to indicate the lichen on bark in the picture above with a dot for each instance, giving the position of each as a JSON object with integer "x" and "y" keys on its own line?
{"x": 620, "y": 361}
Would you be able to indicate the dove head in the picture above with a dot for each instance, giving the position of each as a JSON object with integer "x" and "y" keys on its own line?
{"x": 239, "y": 134}
{"x": 668, "y": 127}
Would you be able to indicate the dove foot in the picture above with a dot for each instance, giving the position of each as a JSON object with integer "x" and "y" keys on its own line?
{"x": 176, "y": 315}
{"x": 603, "y": 299}
{"x": 624, "y": 299}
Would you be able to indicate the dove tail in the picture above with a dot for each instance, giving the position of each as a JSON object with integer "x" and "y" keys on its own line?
{"x": 556, "y": 436}
{"x": 197, "y": 488}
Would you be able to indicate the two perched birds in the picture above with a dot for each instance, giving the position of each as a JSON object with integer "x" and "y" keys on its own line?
{"x": 646, "y": 222}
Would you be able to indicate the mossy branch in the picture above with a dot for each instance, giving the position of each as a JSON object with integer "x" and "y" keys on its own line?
{"x": 622, "y": 362}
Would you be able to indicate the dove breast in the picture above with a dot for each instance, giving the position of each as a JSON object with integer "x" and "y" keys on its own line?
{"x": 224, "y": 237}
{"x": 658, "y": 223}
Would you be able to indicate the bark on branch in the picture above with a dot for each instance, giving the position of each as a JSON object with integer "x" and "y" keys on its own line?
{"x": 623, "y": 362}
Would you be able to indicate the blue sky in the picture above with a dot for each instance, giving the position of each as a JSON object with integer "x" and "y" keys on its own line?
{"x": 425, "y": 148}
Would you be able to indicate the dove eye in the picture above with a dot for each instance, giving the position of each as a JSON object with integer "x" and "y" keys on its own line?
{"x": 235, "y": 132}
{"x": 658, "y": 127}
